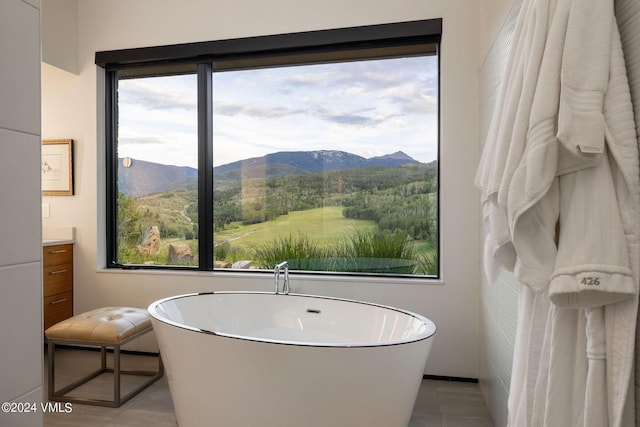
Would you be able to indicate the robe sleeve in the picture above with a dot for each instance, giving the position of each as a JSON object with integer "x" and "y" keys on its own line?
{"x": 598, "y": 204}
{"x": 584, "y": 79}
{"x": 592, "y": 265}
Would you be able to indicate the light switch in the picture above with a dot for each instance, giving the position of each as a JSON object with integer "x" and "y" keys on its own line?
{"x": 45, "y": 210}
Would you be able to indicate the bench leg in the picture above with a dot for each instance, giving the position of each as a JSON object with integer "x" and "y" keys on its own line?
{"x": 118, "y": 399}
{"x": 103, "y": 357}
{"x": 51, "y": 369}
{"x": 116, "y": 373}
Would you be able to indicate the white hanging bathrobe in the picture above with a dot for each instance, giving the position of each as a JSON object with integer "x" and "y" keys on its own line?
{"x": 560, "y": 194}
{"x": 628, "y": 16}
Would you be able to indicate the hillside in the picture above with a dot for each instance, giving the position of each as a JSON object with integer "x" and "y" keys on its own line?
{"x": 298, "y": 162}
{"x": 289, "y": 163}
{"x": 143, "y": 178}
{"x": 389, "y": 160}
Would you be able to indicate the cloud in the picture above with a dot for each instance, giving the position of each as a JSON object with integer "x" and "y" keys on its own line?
{"x": 309, "y": 80}
{"x": 357, "y": 117}
{"x": 335, "y": 93}
{"x": 229, "y": 108}
{"x": 350, "y": 119}
{"x": 415, "y": 101}
{"x": 368, "y": 117}
{"x": 153, "y": 96}
{"x": 347, "y": 78}
{"x": 139, "y": 140}
{"x": 368, "y": 81}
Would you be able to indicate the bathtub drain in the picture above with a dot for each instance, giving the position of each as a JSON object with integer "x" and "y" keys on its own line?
{"x": 313, "y": 310}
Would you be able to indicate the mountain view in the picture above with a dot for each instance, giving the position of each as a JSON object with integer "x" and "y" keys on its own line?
{"x": 299, "y": 205}
{"x": 143, "y": 178}
{"x": 278, "y": 193}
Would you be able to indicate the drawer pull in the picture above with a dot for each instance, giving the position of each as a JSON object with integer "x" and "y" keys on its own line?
{"x": 58, "y": 272}
{"x": 59, "y": 251}
{"x": 58, "y": 301}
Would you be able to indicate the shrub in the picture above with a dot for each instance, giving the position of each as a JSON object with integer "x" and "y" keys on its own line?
{"x": 226, "y": 252}
{"x": 222, "y": 251}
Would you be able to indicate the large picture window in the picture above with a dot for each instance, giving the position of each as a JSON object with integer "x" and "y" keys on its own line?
{"x": 320, "y": 149}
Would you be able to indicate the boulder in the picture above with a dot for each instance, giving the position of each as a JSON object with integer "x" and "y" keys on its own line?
{"x": 242, "y": 264}
{"x": 221, "y": 264}
{"x": 150, "y": 242}
{"x": 180, "y": 253}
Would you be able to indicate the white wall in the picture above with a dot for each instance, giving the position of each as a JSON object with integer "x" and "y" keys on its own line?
{"x": 499, "y": 300}
{"x": 72, "y": 108}
{"x": 20, "y": 231}
{"x": 60, "y": 34}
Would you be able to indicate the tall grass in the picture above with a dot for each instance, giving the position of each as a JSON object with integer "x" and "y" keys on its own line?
{"x": 387, "y": 244}
{"x": 299, "y": 252}
{"x": 370, "y": 252}
{"x": 427, "y": 263}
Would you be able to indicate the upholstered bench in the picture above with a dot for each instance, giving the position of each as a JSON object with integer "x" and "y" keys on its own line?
{"x": 108, "y": 327}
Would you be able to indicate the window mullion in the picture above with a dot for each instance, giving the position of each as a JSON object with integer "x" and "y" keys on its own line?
{"x": 111, "y": 166}
{"x": 205, "y": 166}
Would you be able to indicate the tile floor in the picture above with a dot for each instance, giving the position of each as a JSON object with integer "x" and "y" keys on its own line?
{"x": 439, "y": 403}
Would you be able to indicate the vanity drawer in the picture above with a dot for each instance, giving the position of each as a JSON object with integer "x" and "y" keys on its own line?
{"x": 57, "y": 254}
{"x": 57, "y": 278}
{"x": 57, "y": 283}
{"x": 57, "y": 308}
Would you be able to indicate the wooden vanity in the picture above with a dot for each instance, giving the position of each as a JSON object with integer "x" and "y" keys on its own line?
{"x": 57, "y": 278}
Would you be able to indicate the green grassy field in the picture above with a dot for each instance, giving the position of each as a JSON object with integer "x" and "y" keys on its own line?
{"x": 323, "y": 225}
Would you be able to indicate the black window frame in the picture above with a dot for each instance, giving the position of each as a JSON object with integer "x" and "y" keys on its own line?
{"x": 205, "y": 58}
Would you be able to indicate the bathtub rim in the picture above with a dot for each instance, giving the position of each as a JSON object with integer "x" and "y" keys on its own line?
{"x": 431, "y": 326}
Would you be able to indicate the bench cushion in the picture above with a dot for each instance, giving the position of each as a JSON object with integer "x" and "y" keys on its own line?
{"x": 108, "y": 325}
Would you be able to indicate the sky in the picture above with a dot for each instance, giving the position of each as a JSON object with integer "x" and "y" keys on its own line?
{"x": 369, "y": 108}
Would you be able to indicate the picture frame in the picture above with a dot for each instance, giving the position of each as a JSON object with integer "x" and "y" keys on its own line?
{"x": 57, "y": 167}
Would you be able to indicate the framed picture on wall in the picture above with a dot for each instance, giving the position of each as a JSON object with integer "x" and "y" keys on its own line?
{"x": 57, "y": 167}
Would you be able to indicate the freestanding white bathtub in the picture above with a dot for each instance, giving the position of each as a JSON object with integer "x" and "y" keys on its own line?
{"x": 260, "y": 359}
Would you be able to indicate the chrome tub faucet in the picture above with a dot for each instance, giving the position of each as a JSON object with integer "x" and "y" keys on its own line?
{"x": 283, "y": 266}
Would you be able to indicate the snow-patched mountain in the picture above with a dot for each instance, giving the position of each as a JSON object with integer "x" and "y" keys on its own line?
{"x": 299, "y": 162}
